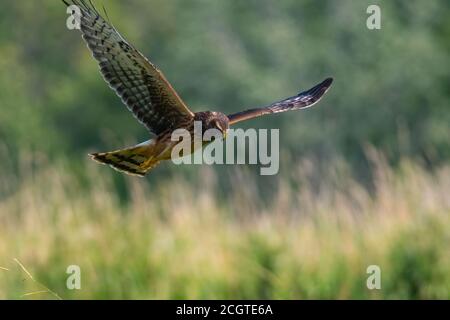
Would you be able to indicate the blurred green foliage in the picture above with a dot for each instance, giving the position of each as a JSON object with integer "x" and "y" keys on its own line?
{"x": 391, "y": 85}
{"x": 176, "y": 241}
{"x": 197, "y": 235}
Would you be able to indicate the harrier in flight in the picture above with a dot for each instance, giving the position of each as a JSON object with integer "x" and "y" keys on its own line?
{"x": 152, "y": 100}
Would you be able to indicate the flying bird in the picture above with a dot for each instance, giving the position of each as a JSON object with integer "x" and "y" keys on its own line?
{"x": 152, "y": 100}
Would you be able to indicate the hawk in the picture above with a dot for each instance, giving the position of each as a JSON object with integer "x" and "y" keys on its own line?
{"x": 152, "y": 100}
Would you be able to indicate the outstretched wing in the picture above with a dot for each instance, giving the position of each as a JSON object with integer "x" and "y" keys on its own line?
{"x": 142, "y": 87}
{"x": 301, "y": 101}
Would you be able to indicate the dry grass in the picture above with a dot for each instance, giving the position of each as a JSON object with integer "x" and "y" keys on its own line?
{"x": 170, "y": 241}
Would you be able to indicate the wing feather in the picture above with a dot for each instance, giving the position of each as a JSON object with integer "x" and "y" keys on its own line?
{"x": 303, "y": 100}
{"x": 141, "y": 86}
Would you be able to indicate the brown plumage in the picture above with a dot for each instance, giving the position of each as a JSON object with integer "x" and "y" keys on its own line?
{"x": 152, "y": 100}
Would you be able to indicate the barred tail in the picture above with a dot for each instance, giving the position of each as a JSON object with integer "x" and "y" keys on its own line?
{"x": 137, "y": 160}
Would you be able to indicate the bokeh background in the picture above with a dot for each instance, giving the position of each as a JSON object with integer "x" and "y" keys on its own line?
{"x": 364, "y": 176}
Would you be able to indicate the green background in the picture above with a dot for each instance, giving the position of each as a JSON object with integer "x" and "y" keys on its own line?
{"x": 376, "y": 147}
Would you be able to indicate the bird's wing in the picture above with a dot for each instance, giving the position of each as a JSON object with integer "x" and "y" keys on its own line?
{"x": 301, "y": 101}
{"x": 142, "y": 87}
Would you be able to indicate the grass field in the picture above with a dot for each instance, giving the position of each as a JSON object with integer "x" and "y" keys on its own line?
{"x": 171, "y": 241}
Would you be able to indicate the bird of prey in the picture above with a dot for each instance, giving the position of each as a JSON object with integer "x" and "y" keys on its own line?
{"x": 152, "y": 100}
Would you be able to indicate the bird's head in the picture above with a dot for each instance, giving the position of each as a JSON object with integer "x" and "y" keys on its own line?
{"x": 219, "y": 121}
{"x": 213, "y": 120}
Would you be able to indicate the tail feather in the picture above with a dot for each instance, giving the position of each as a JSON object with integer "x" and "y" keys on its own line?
{"x": 136, "y": 160}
